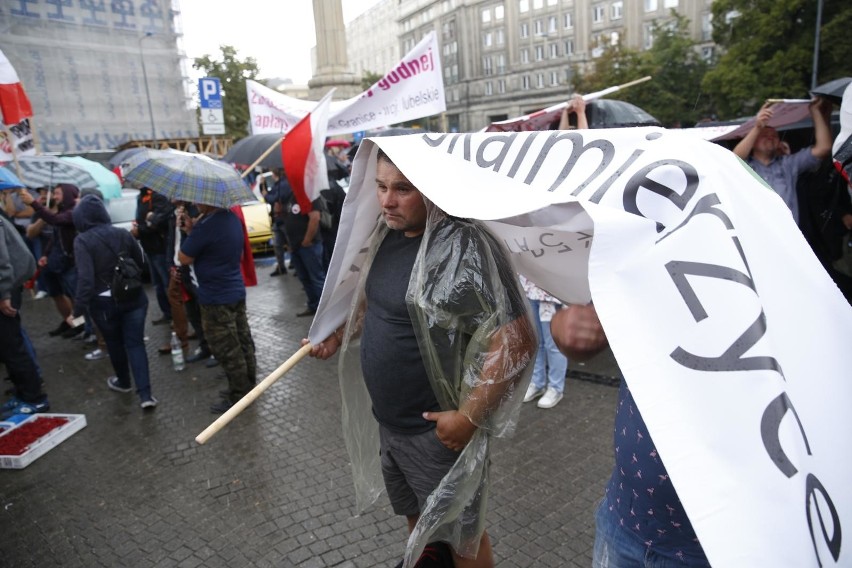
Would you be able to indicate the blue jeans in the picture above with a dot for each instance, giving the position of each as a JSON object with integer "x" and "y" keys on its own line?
{"x": 160, "y": 280}
{"x": 123, "y": 328}
{"x": 616, "y": 547}
{"x": 309, "y": 268}
{"x": 550, "y": 364}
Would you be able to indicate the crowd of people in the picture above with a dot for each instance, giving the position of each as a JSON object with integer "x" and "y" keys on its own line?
{"x": 436, "y": 393}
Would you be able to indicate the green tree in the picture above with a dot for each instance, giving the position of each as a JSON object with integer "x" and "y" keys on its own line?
{"x": 233, "y": 73}
{"x": 767, "y": 50}
{"x": 674, "y": 93}
{"x": 368, "y": 79}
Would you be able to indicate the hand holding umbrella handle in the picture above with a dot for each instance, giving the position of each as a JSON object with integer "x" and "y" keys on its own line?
{"x": 252, "y": 395}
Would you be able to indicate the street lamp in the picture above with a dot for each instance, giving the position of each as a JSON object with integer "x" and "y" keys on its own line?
{"x": 147, "y": 91}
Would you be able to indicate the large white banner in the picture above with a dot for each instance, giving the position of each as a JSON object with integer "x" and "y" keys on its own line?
{"x": 414, "y": 88}
{"x": 732, "y": 337}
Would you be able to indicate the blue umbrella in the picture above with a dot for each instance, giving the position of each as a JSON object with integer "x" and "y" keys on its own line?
{"x": 8, "y": 180}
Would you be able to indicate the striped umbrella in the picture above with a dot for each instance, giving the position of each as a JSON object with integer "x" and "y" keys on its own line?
{"x": 193, "y": 178}
{"x": 47, "y": 171}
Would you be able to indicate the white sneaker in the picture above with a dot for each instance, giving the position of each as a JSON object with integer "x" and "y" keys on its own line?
{"x": 532, "y": 393}
{"x": 95, "y": 355}
{"x": 148, "y": 403}
{"x": 550, "y": 399}
{"x": 40, "y": 294}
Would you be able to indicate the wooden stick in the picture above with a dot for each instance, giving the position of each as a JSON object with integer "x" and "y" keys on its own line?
{"x": 252, "y": 395}
{"x": 262, "y": 156}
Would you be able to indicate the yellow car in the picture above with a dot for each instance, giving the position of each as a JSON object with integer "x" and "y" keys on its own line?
{"x": 258, "y": 226}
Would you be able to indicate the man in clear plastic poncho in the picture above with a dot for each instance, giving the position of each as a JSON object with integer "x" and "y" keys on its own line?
{"x": 445, "y": 349}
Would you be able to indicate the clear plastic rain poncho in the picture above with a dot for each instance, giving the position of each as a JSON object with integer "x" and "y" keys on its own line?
{"x": 478, "y": 345}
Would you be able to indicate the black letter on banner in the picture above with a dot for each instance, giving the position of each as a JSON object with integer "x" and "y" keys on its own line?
{"x": 769, "y": 424}
{"x": 601, "y": 191}
{"x": 505, "y": 141}
{"x": 640, "y": 179}
{"x": 707, "y": 204}
{"x": 812, "y": 484}
{"x": 731, "y": 359}
{"x": 577, "y": 150}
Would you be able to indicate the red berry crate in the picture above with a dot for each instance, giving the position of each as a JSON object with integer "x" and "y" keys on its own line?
{"x": 24, "y": 441}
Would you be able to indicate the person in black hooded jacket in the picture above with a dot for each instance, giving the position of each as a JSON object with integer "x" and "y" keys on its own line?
{"x": 122, "y": 324}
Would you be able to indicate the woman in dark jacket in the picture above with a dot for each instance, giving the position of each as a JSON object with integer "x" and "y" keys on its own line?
{"x": 122, "y": 324}
{"x": 57, "y": 260}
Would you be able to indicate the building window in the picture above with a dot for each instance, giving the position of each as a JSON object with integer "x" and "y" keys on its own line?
{"x": 647, "y": 36}
{"x": 539, "y": 80}
{"x": 525, "y": 82}
{"x": 501, "y": 86}
{"x": 707, "y": 53}
{"x": 568, "y": 20}
{"x": 569, "y": 47}
{"x": 501, "y": 64}
{"x": 525, "y": 30}
{"x": 498, "y": 12}
{"x": 552, "y": 2}
{"x": 539, "y": 52}
{"x": 554, "y": 50}
{"x": 650, "y": 5}
{"x": 539, "y": 27}
{"x": 554, "y": 78}
{"x": 486, "y": 66}
{"x": 500, "y": 37}
{"x": 525, "y": 56}
{"x": 616, "y": 10}
{"x": 598, "y": 13}
{"x": 486, "y": 16}
{"x": 523, "y": 6}
{"x": 552, "y": 24}
{"x": 489, "y": 88}
{"x": 706, "y": 27}
{"x": 538, "y": 4}
{"x": 670, "y": 3}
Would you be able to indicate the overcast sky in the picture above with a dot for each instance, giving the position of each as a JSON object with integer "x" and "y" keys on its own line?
{"x": 279, "y": 34}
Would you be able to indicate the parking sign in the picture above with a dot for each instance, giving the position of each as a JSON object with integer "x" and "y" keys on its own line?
{"x": 212, "y": 115}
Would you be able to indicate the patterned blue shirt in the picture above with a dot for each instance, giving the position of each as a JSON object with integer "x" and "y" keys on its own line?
{"x": 640, "y": 496}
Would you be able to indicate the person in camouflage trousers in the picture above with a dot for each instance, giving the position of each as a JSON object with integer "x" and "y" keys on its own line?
{"x": 214, "y": 248}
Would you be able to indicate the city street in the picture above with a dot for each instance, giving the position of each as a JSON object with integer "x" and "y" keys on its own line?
{"x": 274, "y": 487}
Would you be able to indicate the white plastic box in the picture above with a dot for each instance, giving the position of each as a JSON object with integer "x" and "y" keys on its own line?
{"x": 41, "y": 446}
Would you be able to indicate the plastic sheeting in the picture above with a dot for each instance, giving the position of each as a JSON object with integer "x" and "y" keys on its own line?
{"x": 478, "y": 345}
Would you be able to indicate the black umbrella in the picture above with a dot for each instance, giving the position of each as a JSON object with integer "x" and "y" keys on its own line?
{"x": 121, "y": 156}
{"x": 611, "y": 113}
{"x": 833, "y": 90}
{"x": 250, "y": 148}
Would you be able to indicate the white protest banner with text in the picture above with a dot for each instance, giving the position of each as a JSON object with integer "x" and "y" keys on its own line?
{"x": 17, "y": 140}
{"x": 414, "y": 88}
{"x": 731, "y": 336}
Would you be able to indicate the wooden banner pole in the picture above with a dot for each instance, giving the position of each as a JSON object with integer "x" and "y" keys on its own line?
{"x": 252, "y": 395}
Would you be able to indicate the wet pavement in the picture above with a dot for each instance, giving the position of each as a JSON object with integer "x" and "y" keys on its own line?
{"x": 273, "y": 488}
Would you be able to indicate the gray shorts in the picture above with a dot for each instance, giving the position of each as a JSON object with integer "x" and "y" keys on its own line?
{"x": 413, "y": 465}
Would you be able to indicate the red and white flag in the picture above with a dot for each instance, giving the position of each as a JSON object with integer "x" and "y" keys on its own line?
{"x": 302, "y": 152}
{"x": 14, "y": 103}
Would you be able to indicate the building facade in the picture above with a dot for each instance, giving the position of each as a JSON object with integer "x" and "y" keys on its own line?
{"x": 372, "y": 39}
{"x": 505, "y": 58}
{"x": 100, "y": 74}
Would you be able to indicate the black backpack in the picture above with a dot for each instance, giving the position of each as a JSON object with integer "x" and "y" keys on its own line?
{"x": 126, "y": 282}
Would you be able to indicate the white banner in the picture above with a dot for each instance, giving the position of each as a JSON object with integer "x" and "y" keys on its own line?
{"x": 732, "y": 337}
{"x": 414, "y": 88}
{"x": 16, "y": 139}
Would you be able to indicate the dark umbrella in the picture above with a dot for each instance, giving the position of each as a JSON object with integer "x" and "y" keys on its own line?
{"x": 250, "y": 148}
{"x": 833, "y": 90}
{"x": 122, "y": 156}
{"x": 600, "y": 113}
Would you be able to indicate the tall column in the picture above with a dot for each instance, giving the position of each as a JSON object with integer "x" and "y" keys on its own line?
{"x": 332, "y": 63}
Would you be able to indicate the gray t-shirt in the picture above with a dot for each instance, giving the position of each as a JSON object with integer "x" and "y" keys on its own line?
{"x": 390, "y": 357}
